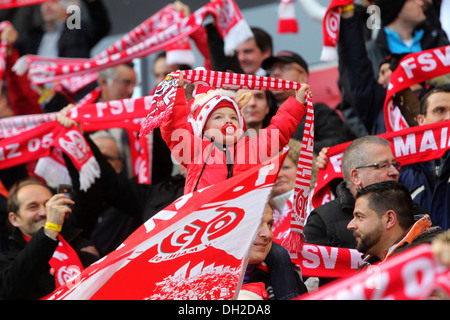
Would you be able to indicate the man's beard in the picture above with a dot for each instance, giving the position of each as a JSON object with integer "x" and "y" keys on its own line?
{"x": 366, "y": 242}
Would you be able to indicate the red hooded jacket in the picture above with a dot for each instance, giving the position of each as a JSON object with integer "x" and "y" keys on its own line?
{"x": 209, "y": 162}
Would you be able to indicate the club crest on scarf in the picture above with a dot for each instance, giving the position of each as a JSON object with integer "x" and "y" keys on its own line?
{"x": 74, "y": 144}
{"x": 199, "y": 234}
{"x": 66, "y": 274}
{"x": 226, "y": 16}
{"x": 161, "y": 106}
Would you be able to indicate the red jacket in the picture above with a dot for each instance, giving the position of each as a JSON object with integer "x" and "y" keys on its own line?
{"x": 23, "y": 99}
{"x": 208, "y": 162}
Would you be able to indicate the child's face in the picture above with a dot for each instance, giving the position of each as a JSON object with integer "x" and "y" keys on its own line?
{"x": 219, "y": 118}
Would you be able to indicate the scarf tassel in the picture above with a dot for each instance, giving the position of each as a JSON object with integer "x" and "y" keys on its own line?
{"x": 328, "y": 54}
{"x": 286, "y": 17}
{"x": 295, "y": 240}
{"x": 88, "y": 172}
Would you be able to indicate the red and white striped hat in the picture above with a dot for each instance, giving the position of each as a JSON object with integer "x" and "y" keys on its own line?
{"x": 205, "y": 104}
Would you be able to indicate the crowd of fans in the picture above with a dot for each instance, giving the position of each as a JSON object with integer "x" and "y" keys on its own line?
{"x": 375, "y": 205}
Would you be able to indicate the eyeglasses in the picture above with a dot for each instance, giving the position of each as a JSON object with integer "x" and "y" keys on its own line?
{"x": 284, "y": 68}
{"x": 126, "y": 83}
{"x": 382, "y": 165}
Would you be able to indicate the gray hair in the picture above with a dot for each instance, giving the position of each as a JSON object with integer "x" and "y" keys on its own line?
{"x": 356, "y": 155}
{"x": 111, "y": 73}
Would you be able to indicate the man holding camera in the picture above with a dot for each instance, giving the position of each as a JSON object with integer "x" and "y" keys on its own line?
{"x": 44, "y": 250}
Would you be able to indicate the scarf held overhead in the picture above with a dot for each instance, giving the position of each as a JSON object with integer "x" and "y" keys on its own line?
{"x": 287, "y": 23}
{"x": 162, "y": 108}
{"x": 230, "y": 24}
{"x": 127, "y": 114}
{"x": 330, "y": 29}
{"x": 411, "y": 145}
{"x": 413, "y": 69}
{"x": 3, "y": 52}
{"x": 38, "y": 142}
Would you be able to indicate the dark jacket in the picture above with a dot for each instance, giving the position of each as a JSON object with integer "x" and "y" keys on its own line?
{"x": 329, "y": 129}
{"x": 433, "y": 37}
{"x": 327, "y": 224}
{"x": 426, "y": 234}
{"x": 358, "y": 80}
{"x": 73, "y": 43}
{"x": 25, "y": 269}
{"x": 430, "y": 189}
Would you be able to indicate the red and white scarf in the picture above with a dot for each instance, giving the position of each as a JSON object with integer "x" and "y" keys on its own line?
{"x": 330, "y": 29}
{"x": 295, "y": 240}
{"x": 287, "y": 23}
{"x": 37, "y": 143}
{"x": 127, "y": 114}
{"x": 413, "y": 69}
{"x": 156, "y": 23}
{"x": 8, "y": 4}
{"x": 65, "y": 263}
{"x": 230, "y": 24}
{"x": 165, "y": 92}
{"x": 411, "y": 145}
{"x": 410, "y": 275}
{"x": 162, "y": 109}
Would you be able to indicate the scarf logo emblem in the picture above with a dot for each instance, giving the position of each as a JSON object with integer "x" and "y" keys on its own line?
{"x": 75, "y": 145}
{"x": 199, "y": 234}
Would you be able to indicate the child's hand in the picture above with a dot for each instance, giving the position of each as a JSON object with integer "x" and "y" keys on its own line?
{"x": 300, "y": 94}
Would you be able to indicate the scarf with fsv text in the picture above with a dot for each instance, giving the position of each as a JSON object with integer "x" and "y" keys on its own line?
{"x": 26, "y": 138}
{"x": 410, "y": 145}
{"x": 413, "y": 69}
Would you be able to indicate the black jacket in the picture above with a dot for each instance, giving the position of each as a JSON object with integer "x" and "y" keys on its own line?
{"x": 358, "y": 80}
{"x": 327, "y": 224}
{"x": 329, "y": 129}
{"x": 433, "y": 37}
{"x": 282, "y": 282}
{"x": 73, "y": 43}
{"x": 25, "y": 269}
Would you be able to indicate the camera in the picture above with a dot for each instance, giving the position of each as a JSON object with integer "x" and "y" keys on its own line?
{"x": 65, "y": 189}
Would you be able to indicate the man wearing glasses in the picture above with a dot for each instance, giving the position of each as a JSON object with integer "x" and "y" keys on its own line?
{"x": 367, "y": 160}
{"x": 329, "y": 129}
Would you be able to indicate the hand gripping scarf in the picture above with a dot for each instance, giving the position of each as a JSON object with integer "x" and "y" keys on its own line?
{"x": 161, "y": 110}
{"x": 410, "y": 145}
